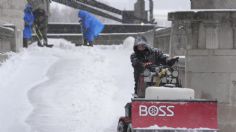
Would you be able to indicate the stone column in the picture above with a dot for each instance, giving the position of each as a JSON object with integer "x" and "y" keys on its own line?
{"x": 181, "y": 32}
{"x": 211, "y": 59}
{"x": 234, "y": 30}
{"x": 211, "y": 31}
{"x": 11, "y": 14}
{"x": 139, "y": 10}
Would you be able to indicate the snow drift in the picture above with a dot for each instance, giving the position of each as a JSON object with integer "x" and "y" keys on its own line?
{"x": 66, "y": 88}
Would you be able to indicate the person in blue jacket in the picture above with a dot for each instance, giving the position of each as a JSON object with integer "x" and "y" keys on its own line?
{"x": 91, "y": 27}
{"x": 29, "y": 20}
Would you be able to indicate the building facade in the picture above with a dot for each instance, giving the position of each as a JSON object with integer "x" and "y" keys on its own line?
{"x": 210, "y": 44}
{"x": 11, "y": 25}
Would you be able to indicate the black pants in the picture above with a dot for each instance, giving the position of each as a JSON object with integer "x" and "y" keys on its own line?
{"x": 136, "y": 79}
{"x": 86, "y": 42}
{"x": 25, "y": 42}
{"x": 41, "y": 26}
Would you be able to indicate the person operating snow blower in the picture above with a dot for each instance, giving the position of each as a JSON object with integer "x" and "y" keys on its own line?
{"x": 91, "y": 27}
{"x": 144, "y": 56}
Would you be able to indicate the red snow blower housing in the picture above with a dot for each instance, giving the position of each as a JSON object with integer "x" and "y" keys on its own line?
{"x": 168, "y": 109}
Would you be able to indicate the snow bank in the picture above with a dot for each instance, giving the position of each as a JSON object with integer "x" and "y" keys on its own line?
{"x": 19, "y": 74}
{"x": 129, "y": 43}
{"x": 65, "y": 88}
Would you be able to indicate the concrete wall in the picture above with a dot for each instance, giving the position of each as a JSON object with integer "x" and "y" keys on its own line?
{"x": 11, "y": 11}
{"x": 210, "y": 59}
{"x": 105, "y": 38}
{"x": 75, "y": 28}
{"x": 11, "y": 15}
{"x": 213, "y": 4}
{"x": 150, "y": 35}
{"x": 162, "y": 39}
{"x": 112, "y": 34}
{"x": 162, "y": 42}
{"x": 212, "y": 75}
{"x": 6, "y": 39}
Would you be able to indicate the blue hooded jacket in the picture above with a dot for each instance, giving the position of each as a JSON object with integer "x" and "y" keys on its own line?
{"x": 29, "y": 20}
{"x": 92, "y": 27}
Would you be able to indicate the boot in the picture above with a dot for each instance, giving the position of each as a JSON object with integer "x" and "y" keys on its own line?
{"x": 90, "y": 44}
{"x": 46, "y": 43}
{"x": 40, "y": 44}
{"x": 77, "y": 44}
{"x": 86, "y": 43}
{"x": 25, "y": 43}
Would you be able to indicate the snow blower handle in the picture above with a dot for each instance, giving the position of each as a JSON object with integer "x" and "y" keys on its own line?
{"x": 145, "y": 65}
{"x": 82, "y": 32}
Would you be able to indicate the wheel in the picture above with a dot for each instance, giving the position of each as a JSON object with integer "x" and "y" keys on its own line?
{"x": 122, "y": 127}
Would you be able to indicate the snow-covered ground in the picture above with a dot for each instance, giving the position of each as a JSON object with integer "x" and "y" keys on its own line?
{"x": 65, "y": 88}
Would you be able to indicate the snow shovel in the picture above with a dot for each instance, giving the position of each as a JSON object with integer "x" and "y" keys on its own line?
{"x": 40, "y": 38}
{"x": 82, "y": 37}
{"x": 39, "y": 35}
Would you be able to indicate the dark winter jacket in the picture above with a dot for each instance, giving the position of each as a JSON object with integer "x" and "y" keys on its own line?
{"x": 29, "y": 19}
{"x": 152, "y": 55}
{"x": 41, "y": 19}
{"x": 148, "y": 55}
{"x": 40, "y": 4}
{"x": 141, "y": 59}
{"x": 92, "y": 27}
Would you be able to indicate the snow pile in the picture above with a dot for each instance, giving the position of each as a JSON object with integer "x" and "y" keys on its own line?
{"x": 66, "y": 88}
{"x": 156, "y": 127}
{"x": 129, "y": 43}
{"x": 18, "y": 75}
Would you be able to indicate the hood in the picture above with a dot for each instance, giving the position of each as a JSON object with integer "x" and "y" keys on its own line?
{"x": 140, "y": 40}
{"x": 82, "y": 14}
{"x": 28, "y": 8}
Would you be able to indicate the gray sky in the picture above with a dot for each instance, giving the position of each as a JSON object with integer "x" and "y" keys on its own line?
{"x": 158, "y": 4}
{"x": 161, "y": 7}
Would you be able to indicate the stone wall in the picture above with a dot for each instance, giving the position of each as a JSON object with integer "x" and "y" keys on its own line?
{"x": 11, "y": 11}
{"x": 162, "y": 39}
{"x": 210, "y": 44}
{"x": 112, "y": 34}
{"x": 213, "y": 4}
{"x": 6, "y": 39}
{"x": 11, "y": 16}
{"x": 105, "y": 38}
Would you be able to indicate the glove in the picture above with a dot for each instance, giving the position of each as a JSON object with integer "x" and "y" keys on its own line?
{"x": 147, "y": 64}
{"x": 172, "y": 61}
